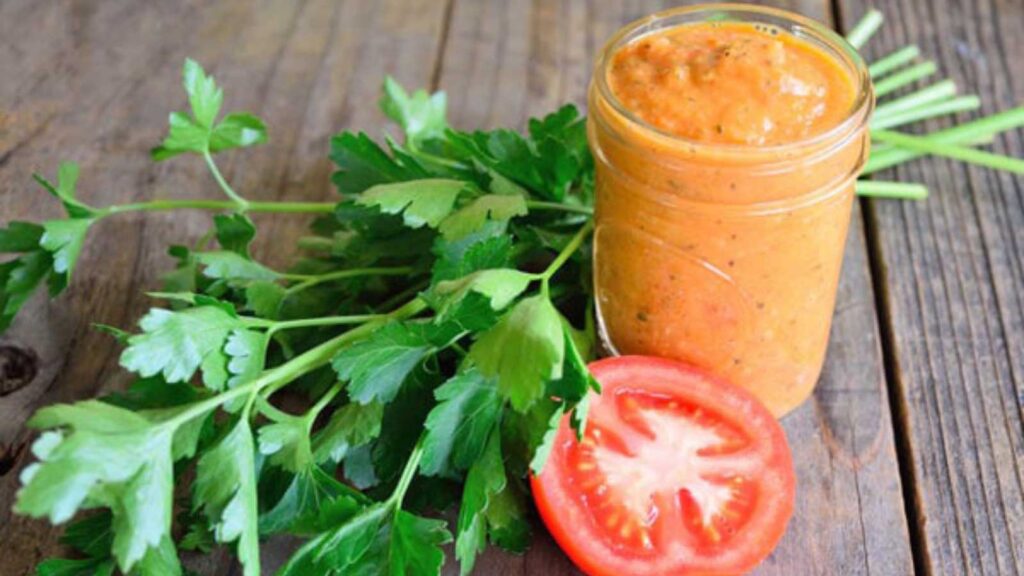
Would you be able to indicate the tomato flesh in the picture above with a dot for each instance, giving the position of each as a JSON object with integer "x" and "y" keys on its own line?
{"x": 677, "y": 473}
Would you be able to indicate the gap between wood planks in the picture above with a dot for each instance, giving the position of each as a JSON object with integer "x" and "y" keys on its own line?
{"x": 442, "y": 44}
{"x": 912, "y": 507}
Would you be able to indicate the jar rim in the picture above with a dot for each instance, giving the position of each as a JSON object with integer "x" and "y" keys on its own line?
{"x": 806, "y": 29}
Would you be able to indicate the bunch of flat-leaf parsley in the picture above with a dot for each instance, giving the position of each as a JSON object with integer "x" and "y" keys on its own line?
{"x": 435, "y": 332}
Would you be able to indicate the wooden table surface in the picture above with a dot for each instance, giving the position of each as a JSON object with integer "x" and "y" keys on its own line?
{"x": 910, "y": 455}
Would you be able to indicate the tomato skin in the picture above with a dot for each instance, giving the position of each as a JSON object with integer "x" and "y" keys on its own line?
{"x": 571, "y": 522}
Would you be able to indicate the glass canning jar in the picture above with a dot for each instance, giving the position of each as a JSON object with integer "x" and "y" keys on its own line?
{"x": 724, "y": 256}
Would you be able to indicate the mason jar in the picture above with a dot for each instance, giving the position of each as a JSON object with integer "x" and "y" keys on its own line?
{"x": 725, "y": 256}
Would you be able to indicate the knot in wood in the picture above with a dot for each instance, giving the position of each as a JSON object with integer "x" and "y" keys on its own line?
{"x": 18, "y": 368}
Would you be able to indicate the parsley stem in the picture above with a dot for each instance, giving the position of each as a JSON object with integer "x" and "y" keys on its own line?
{"x": 316, "y": 243}
{"x": 440, "y": 161}
{"x": 263, "y": 406}
{"x": 893, "y": 60}
{"x": 404, "y": 294}
{"x": 276, "y": 378}
{"x": 929, "y": 145}
{"x": 323, "y": 321}
{"x": 322, "y": 354}
{"x": 322, "y": 403}
{"x": 408, "y": 473}
{"x": 541, "y": 205}
{"x": 218, "y": 205}
{"x": 563, "y": 256}
{"x": 891, "y": 190}
{"x": 974, "y": 132}
{"x": 567, "y": 252}
{"x": 865, "y": 28}
{"x": 241, "y": 203}
{"x": 309, "y": 280}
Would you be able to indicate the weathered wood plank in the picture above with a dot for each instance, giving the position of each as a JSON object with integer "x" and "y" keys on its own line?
{"x": 507, "y": 61}
{"x": 953, "y": 269}
{"x": 101, "y": 87}
{"x": 93, "y": 82}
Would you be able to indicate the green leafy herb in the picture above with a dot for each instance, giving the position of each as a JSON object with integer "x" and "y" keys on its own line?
{"x": 225, "y": 489}
{"x": 525, "y": 350}
{"x": 200, "y": 133}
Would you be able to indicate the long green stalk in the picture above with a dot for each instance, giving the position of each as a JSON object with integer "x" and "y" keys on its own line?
{"x": 929, "y": 95}
{"x": 929, "y": 145}
{"x": 241, "y": 203}
{"x": 893, "y": 61}
{"x": 904, "y": 78}
{"x": 965, "y": 134}
{"x": 220, "y": 205}
{"x": 961, "y": 104}
{"x": 891, "y": 190}
{"x": 865, "y": 29}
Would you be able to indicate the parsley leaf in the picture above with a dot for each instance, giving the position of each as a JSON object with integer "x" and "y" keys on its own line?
{"x": 463, "y": 257}
{"x": 227, "y": 265}
{"x": 419, "y": 202}
{"x": 288, "y": 444}
{"x": 362, "y": 164}
{"x": 507, "y": 521}
{"x": 377, "y": 541}
{"x": 111, "y": 456}
{"x": 93, "y": 537}
{"x": 20, "y": 277}
{"x": 200, "y": 133}
{"x": 501, "y": 286}
{"x": 48, "y": 251}
{"x": 225, "y": 488}
{"x": 525, "y": 350}
{"x": 245, "y": 351}
{"x": 20, "y": 237}
{"x": 204, "y": 96}
{"x": 543, "y": 450}
{"x": 421, "y": 114}
{"x": 183, "y": 277}
{"x": 350, "y": 426}
{"x": 67, "y": 180}
{"x": 64, "y": 238}
{"x": 413, "y": 546}
{"x": 575, "y": 384}
{"x": 486, "y": 478}
{"x": 377, "y": 366}
{"x": 81, "y": 567}
{"x": 334, "y": 551}
{"x": 176, "y": 344}
{"x": 548, "y": 162}
{"x": 314, "y": 502}
{"x": 458, "y": 427}
{"x": 235, "y": 232}
{"x": 263, "y": 298}
{"x": 473, "y": 216}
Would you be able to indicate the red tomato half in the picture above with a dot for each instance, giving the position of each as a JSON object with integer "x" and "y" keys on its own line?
{"x": 678, "y": 473}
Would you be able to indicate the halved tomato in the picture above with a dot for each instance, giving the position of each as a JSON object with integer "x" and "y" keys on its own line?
{"x": 678, "y": 473}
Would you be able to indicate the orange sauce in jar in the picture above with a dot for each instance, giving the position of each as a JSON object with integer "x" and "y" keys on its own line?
{"x": 726, "y": 157}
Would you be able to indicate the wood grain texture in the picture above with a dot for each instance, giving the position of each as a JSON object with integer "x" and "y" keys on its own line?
{"x": 507, "y": 61}
{"x": 953, "y": 273}
{"x": 93, "y": 82}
